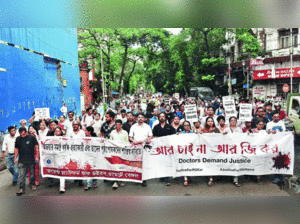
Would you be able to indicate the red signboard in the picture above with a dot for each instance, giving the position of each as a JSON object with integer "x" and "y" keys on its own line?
{"x": 281, "y": 73}
{"x": 285, "y": 88}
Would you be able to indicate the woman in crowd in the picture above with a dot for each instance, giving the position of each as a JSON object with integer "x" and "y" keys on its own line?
{"x": 259, "y": 126}
{"x": 187, "y": 130}
{"x": 97, "y": 124}
{"x": 209, "y": 126}
{"x": 222, "y": 125}
{"x": 43, "y": 128}
{"x": 247, "y": 128}
{"x": 32, "y": 131}
{"x": 197, "y": 129}
{"x": 233, "y": 128}
{"x": 89, "y": 132}
{"x": 61, "y": 123}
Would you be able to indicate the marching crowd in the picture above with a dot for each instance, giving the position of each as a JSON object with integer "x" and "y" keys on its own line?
{"x": 133, "y": 120}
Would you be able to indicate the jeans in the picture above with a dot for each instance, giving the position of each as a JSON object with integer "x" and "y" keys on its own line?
{"x": 91, "y": 182}
{"x": 12, "y": 167}
{"x": 37, "y": 173}
{"x": 22, "y": 170}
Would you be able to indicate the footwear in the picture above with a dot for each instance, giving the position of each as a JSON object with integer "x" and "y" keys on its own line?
{"x": 20, "y": 193}
{"x": 186, "y": 183}
{"x": 14, "y": 183}
{"x": 87, "y": 188}
{"x": 80, "y": 183}
{"x": 237, "y": 184}
{"x": 275, "y": 181}
{"x": 95, "y": 186}
{"x": 61, "y": 192}
{"x": 210, "y": 183}
{"x": 167, "y": 183}
{"x": 144, "y": 184}
{"x": 115, "y": 185}
{"x": 33, "y": 188}
{"x": 122, "y": 184}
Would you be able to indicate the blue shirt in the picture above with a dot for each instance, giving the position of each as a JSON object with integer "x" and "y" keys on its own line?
{"x": 183, "y": 132}
{"x": 269, "y": 116}
{"x": 179, "y": 114}
{"x": 152, "y": 121}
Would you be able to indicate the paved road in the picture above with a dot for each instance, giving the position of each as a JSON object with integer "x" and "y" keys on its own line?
{"x": 154, "y": 188}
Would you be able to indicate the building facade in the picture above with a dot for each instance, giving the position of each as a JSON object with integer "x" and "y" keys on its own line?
{"x": 38, "y": 69}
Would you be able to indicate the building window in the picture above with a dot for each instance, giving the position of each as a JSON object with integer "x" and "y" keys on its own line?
{"x": 295, "y": 40}
{"x": 284, "y": 41}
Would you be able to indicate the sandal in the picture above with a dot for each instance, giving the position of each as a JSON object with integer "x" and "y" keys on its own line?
{"x": 186, "y": 183}
{"x": 95, "y": 186}
{"x": 210, "y": 183}
{"x": 33, "y": 188}
{"x": 20, "y": 193}
{"x": 237, "y": 184}
{"x": 87, "y": 188}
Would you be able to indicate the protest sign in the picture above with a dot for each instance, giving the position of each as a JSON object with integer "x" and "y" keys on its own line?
{"x": 233, "y": 154}
{"x": 177, "y": 96}
{"x": 167, "y": 101}
{"x": 42, "y": 113}
{"x": 190, "y": 112}
{"x": 90, "y": 158}
{"x": 245, "y": 113}
{"x": 230, "y": 111}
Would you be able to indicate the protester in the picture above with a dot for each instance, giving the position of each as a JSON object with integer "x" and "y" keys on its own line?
{"x": 261, "y": 114}
{"x": 247, "y": 128}
{"x": 122, "y": 136}
{"x": 61, "y": 123}
{"x": 169, "y": 115}
{"x": 64, "y": 110}
{"x": 88, "y": 118}
{"x": 89, "y": 132}
{"x": 269, "y": 111}
{"x": 130, "y": 121}
{"x": 33, "y": 132}
{"x": 163, "y": 129}
{"x": 209, "y": 126}
{"x": 197, "y": 128}
{"x": 187, "y": 130}
{"x": 108, "y": 126}
{"x": 220, "y": 110}
{"x": 8, "y": 152}
{"x": 282, "y": 114}
{"x": 176, "y": 125}
{"x": 26, "y": 147}
{"x": 154, "y": 118}
{"x": 123, "y": 116}
{"x": 233, "y": 128}
{"x": 260, "y": 123}
{"x": 43, "y": 128}
{"x": 52, "y": 124}
{"x": 97, "y": 124}
{"x": 23, "y": 124}
{"x": 276, "y": 125}
{"x": 139, "y": 133}
{"x": 210, "y": 113}
{"x": 222, "y": 126}
{"x": 69, "y": 121}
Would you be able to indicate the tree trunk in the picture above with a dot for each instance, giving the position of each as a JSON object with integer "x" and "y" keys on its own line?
{"x": 124, "y": 63}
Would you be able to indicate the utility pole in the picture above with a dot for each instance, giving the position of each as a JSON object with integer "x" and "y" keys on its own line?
{"x": 291, "y": 54}
{"x": 229, "y": 75}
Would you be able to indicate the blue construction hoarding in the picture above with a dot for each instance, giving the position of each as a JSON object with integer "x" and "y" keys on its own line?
{"x": 33, "y": 79}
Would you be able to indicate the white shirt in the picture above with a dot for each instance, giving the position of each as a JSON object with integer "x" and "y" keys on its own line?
{"x": 278, "y": 127}
{"x": 71, "y": 133}
{"x": 236, "y": 130}
{"x": 140, "y": 132}
{"x": 64, "y": 110}
{"x": 9, "y": 144}
{"x": 97, "y": 126}
{"x": 43, "y": 133}
{"x": 88, "y": 120}
{"x": 68, "y": 124}
{"x": 121, "y": 136}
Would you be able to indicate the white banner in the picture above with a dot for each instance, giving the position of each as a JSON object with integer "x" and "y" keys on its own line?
{"x": 42, "y": 113}
{"x": 90, "y": 158}
{"x": 245, "y": 113}
{"x": 190, "y": 112}
{"x": 216, "y": 154}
